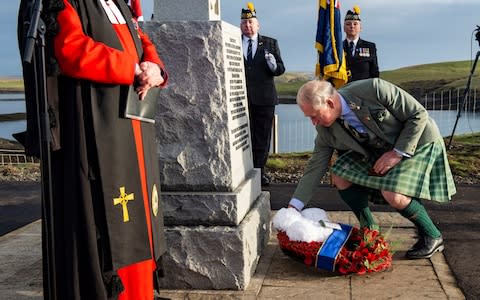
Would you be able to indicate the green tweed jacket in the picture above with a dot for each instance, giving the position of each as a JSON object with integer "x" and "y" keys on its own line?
{"x": 386, "y": 110}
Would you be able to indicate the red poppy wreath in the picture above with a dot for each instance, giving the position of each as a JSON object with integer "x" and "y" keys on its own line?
{"x": 310, "y": 236}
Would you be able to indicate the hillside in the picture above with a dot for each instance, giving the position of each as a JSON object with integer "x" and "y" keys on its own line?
{"x": 422, "y": 79}
{"x": 418, "y": 80}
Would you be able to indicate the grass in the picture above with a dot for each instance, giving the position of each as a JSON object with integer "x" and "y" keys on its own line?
{"x": 464, "y": 155}
{"x": 283, "y": 161}
{"x": 289, "y": 88}
{"x": 469, "y": 139}
{"x": 422, "y": 79}
{"x": 288, "y": 163}
{"x": 447, "y": 75}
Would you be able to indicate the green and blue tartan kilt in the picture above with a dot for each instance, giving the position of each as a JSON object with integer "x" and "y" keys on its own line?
{"x": 426, "y": 175}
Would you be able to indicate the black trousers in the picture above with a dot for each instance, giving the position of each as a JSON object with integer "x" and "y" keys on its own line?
{"x": 261, "y": 118}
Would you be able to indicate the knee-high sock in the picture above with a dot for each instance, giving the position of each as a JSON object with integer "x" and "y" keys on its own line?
{"x": 417, "y": 213}
{"x": 357, "y": 198}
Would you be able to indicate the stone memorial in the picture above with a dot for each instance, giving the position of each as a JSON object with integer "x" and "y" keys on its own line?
{"x": 217, "y": 218}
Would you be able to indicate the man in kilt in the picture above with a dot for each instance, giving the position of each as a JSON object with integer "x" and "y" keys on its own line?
{"x": 388, "y": 147}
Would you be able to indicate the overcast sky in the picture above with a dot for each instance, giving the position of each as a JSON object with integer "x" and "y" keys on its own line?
{"x": 407, "y": 32}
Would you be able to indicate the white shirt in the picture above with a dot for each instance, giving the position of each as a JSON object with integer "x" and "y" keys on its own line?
{"x": 355, "y": 41}
{"x": 254, "y": 45}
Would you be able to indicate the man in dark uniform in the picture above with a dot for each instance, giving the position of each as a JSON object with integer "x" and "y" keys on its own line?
{"x": 106, "y": 216}
{"x": 262, "y": 63}
{"x": 361, "y": 55}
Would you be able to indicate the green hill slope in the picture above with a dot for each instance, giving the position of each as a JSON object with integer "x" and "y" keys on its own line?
{"x": 418, "y": 80}
{"x": 428, "y": 78}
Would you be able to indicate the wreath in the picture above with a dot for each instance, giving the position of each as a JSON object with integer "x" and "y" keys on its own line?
{"x": 304, "y": 236}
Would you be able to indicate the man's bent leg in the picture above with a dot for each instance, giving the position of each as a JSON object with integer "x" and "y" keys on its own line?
{"x": 357, "y": 199}
{"x": 430, "y": 238}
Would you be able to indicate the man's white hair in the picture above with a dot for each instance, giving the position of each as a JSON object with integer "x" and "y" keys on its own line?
{"x": 315, "y": 93}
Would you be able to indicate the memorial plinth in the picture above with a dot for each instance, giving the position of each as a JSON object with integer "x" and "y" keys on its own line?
{"x": 217, "y": 218}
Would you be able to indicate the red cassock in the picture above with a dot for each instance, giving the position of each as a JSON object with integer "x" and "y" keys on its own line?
{"x": 80, "y": 56}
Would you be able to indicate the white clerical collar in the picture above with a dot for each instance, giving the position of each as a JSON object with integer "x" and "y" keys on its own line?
{"x": 112, "y": 11}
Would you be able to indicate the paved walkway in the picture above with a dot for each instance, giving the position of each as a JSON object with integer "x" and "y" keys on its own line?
{"x": 277, "y": 275}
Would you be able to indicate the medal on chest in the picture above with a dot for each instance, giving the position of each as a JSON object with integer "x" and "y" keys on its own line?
{"x": 364, "y": 52}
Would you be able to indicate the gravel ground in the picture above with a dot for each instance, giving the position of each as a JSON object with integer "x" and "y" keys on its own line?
{"x": 30, "y": 172}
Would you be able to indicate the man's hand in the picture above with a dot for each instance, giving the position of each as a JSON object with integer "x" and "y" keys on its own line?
{"x": 387, "y": 161}
{"x": 271, "y": 61}
{"x": 148, "y": 77}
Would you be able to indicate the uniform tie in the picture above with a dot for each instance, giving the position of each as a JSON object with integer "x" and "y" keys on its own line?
{"x": 351, "y": 47}
{"x": 249, "y": 52}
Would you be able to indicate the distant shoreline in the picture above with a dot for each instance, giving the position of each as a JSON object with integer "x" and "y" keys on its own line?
{"x": 11, "y": 85}
{"x": 11, "y": 91}
{"x": 13, "y": 117}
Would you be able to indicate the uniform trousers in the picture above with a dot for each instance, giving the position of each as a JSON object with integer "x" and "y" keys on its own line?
{"x": 261, "y": 118}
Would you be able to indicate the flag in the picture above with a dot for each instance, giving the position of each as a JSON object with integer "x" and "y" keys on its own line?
{"x": 331, "y": 64}
{"x": 136, "y": 9}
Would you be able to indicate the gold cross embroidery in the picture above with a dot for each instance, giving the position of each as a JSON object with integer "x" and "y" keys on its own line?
{"x": 123, "y": 200}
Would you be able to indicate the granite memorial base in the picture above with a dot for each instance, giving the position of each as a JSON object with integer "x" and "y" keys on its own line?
{"x": 217, "y": 257}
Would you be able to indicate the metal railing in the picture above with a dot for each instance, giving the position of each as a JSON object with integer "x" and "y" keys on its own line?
{"x": 451, "y": 100}
{"x": 15, "y": 157}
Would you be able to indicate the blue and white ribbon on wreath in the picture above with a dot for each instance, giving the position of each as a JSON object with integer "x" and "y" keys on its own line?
{"x": 328, "y": 252}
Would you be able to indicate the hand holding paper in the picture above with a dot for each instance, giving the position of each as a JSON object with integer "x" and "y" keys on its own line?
{"x": 149, "y": 77}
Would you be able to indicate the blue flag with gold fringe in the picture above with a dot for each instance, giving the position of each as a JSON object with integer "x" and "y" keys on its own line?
{"x": 331, "y": 59}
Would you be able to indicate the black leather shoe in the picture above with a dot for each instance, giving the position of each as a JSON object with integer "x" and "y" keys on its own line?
{"x": 425, "y": 247}
{"x": 265, "y": 180}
